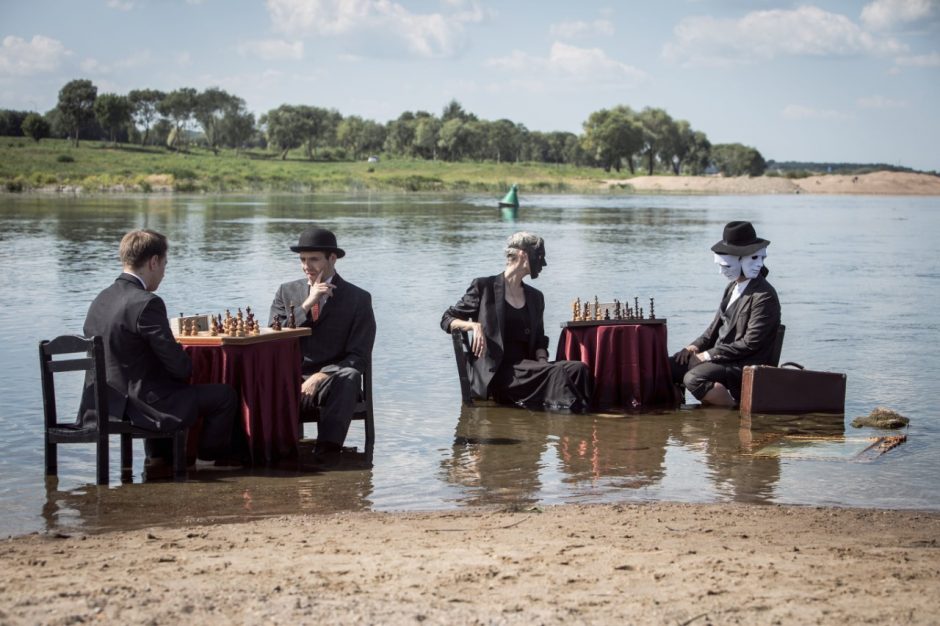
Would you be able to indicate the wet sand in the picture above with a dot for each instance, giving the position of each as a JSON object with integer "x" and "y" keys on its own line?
{"x": 875, "y": 183}
{"x": 652, "y": 563}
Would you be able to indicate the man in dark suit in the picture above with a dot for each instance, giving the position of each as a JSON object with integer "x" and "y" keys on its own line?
{"x": 147, "y": 370}
{"x": 745, "y": 327}
{"x": 339, "y": 348}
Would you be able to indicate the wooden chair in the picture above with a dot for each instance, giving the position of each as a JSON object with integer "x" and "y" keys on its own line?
{"x": 311, "y": 414}
{"x": 95, "y": 430}
{"x": 461, "y": 349}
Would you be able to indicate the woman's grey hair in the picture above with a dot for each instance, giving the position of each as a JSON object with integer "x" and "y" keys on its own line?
{"x": 521, "y": 241}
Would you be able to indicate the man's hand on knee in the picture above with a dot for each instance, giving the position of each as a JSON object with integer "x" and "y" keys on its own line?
{"x": 310, "y": 386}
{"x": 684, "y": 355}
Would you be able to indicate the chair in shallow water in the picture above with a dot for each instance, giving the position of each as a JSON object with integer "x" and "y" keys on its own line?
{"x": 461, "y": 342}
{"x": 311, "y": 414}
{"x": 92, "y": 429}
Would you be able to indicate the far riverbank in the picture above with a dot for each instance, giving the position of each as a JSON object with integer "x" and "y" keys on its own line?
{"x": 54, "y": 166}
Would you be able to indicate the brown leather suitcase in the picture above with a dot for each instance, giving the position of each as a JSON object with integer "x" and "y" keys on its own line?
{"x": 791, "y": 390}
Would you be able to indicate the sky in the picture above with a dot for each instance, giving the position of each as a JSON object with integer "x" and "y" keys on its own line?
{"x": 817, "y": 80}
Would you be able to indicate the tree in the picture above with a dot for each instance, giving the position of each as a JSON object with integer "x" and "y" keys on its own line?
{"x": 210, "y": 109}
{"x": 684, "y": 144}
{"x": 734, "y": 159}
{"x": 659, "y": 135}
{"x": 179, "y": 106}
{"x": 427, "y": 132}
{"x": 144, "y": 103}
{"x": 612, "y": 137}
{"x": 454, "y": 111}
{"x": 76, "y": 103}
{"x": 359, "y": 136}
{"x": 113, "y": 113}
{"x": 699, "y": 156}
{"x": 503, "y": 140}
{"x": 400, "y": 135}
{"x": 284, "y": 128}
{"x": 11, "y": 122}
{"x": 35, "y": 126}
{"x": 237, "y": 126}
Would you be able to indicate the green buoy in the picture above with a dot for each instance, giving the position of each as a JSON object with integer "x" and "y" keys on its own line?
{"x": 509, "y": 205}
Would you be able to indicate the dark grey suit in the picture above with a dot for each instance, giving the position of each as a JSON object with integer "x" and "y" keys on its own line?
{"x": 340, "y": 344}
{"x": 740, "y": 334}
{"x": 147, "y": 370}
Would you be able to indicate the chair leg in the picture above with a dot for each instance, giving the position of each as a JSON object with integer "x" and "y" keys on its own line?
{"x": 127, "y": 452}
{"x": 52, "y": 458}
{"x": 179, "y": 454}
{"x": 103, "y": 458}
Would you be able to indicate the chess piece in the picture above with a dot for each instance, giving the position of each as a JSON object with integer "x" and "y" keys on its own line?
{"x": 239, "y": 315}
{"x": 636, "y": 307}
{"x": 597, "y": 309}
{"x": 606, "y": 314}
{"x": 248, "y": 313}
{"x": 586, "y": 312}
{"x": 640, "y": 316}
{"x": 277, "y": 323}
{"x": 618, "y": 313}
{"x": 291, "y": 321}
{"x": 575, "y": 309}
{"x": 652, "y": 313}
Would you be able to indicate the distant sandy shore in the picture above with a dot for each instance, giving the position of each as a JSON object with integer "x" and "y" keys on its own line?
{"x": 640, "y": 563}
{"x": 876, "y": 183}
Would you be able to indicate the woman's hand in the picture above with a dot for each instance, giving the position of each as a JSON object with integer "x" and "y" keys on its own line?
{"x": 478, "y": 345}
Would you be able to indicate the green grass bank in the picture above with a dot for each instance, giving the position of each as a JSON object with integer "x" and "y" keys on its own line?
{"x": 55, "y": 165}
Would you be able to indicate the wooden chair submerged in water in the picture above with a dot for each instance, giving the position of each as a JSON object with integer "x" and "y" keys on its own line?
{"x": 93, "y": 430}
{"x": 311, "y": 414}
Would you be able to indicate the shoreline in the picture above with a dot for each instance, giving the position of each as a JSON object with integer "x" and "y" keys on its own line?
{"x": 882, "y": 183}
{"x": 656, "y": 562}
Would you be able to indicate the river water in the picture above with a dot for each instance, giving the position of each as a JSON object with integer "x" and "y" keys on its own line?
{"x": 858, "y": 277}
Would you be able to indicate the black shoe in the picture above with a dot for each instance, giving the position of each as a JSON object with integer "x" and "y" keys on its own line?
{"x": 327, "y": 454}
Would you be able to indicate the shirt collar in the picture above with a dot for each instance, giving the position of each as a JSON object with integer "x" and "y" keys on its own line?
{"x": 141, "y": 280}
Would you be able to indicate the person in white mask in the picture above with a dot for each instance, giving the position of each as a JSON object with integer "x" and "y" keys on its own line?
{"x": 745, "y": 327}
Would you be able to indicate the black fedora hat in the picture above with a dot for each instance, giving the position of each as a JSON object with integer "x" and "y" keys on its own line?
{"x": 739, "y": 239}
{"x": 318, "y": 240}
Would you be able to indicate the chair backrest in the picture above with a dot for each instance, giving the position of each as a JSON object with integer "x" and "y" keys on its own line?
{"x": 461, "y": 348}
{"x": 93, "y": 361}
{"x": 778, "y": 346}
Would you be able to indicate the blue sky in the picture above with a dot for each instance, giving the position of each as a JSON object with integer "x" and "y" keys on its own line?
{"x": 822, "y": 80}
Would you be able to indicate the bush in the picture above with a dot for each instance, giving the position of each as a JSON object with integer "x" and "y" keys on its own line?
{"x": 14, "y": 186}
{"x": 65, "y": 158}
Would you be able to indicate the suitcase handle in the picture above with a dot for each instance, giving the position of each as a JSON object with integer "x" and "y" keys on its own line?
{"x": 796, "y": 365}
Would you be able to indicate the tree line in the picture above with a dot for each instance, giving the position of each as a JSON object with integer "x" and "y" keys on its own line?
{"x": 618, "y": 138}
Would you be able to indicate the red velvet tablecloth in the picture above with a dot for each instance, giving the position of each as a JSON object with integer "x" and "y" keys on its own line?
{"x": 629, "y": 363}
{"x": 267, "y": 378}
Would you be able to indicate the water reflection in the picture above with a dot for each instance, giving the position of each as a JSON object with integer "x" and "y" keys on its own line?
{"x": 416, "y": 254}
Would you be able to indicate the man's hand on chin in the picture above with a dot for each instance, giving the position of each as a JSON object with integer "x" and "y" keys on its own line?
{"x": 310, "y": 386}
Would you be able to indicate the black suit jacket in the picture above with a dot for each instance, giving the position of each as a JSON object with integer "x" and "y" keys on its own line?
{"x": 485, "y": 302}
{"x": 343, "y": 335}
{"x": 754, "y": 329}
{"x": 147, "y": 370}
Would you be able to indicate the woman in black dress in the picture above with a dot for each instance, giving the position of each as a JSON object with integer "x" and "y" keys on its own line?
{"x": 509, "y": 349}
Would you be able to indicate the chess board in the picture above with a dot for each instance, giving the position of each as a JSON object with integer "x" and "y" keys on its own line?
{"x": 645, "y": 322}
{"x": 267, "y": 334}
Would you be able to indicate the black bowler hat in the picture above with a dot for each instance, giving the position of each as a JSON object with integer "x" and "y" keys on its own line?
{"x": 318, "y": 240}
{"x": 739, "y": 239}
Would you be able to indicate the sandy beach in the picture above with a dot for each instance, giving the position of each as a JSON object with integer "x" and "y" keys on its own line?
{"x": 639, "y": 563}
{"x": 875, "y": 183}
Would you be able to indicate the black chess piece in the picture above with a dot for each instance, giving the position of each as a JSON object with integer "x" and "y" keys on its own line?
{"x": 652, "y": 312}
{"x": 606, "y": 314}
{"x": 291, "y": 321}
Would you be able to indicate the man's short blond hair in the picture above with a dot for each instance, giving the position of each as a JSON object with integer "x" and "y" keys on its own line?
{"x": 138, "y": 246}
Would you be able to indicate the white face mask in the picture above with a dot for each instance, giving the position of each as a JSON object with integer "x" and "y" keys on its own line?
{"x": 728, "y": 266}
{"x": 752, "y": 264}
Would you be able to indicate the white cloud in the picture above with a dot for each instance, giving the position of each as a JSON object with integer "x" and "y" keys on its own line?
{"x": 372, "y": 26}
{"x": 884, "y": 14}
{"x": 575, "y": 29}
{"x": 121, "y": 5}
{"x": 19, "y": 57}
{"x": 571, "y": 63}
{"x": 800, "y": 112}
{"x": 764, "y": 35}
{"x": 880, "y": 102}
{"x": 272, "y": 49}
{"x": 923, "y": 60}
{"x": 137, "y": 59}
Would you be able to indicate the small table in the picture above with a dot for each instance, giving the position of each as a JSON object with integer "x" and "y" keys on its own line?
{"x": 629, "y": 363}
{"x": 266, "y": 375}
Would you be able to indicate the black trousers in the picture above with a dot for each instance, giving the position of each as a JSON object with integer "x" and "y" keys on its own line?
{"x": 336, "y": 397}
{"x": 700, "y": 379}
{"x": 216, "y": 404}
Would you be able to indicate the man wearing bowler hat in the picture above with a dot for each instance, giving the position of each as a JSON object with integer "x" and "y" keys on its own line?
{"x": 339, "y": 348}
{"x": 745, "y": 327}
